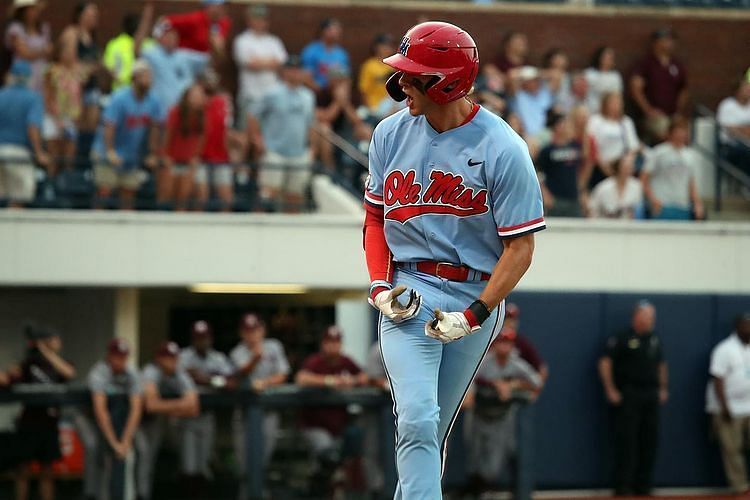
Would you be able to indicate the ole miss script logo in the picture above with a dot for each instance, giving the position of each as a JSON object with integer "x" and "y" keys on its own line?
{"x": 445, "y": 195}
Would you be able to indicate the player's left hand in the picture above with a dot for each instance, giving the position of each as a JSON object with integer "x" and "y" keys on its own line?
{"x": 447, "y": 327}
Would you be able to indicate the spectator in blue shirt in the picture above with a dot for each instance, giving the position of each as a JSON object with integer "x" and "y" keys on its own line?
{"x": 132, "y": 115}
{"x": 325, "y": 53}
{"x": 285, "y": 116}
{"x": 531, "y": 100}
{"x": 174, "y": 69}
{"x": 21, "y": 115}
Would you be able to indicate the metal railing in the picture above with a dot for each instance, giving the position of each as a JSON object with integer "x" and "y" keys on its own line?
{"x": 722, "y": 167}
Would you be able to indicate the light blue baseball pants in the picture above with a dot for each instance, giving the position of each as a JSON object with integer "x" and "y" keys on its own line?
{"x": 429, "y": 379}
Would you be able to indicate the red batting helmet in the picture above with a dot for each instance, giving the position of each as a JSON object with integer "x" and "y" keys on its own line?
{"x": 439, "y": 49}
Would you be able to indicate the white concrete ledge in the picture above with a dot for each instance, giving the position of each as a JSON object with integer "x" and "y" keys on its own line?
{"x": 157, "y": 249}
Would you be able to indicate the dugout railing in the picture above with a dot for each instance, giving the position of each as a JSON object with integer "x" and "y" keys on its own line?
{"x": 286, "y": 397}
{"x": 727, "y": 175}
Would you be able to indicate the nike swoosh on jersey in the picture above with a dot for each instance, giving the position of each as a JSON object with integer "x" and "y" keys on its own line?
{"x": 474, "y": 163}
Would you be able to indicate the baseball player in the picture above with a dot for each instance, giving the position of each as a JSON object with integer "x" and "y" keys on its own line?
{"x": 452, "y": 201}
{"x": 169, "y": 394}
{"x": 260, "y": 363}
{"x": 108, "y": 437}
{"x": 208, "y": 368}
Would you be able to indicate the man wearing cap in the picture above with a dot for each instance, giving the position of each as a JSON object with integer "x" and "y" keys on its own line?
{"x": 658, "y": 86}
{"x": 320, "y": 56}
{"x": 169, "y": 394}
{"x": 174, "y": 69}
{"x": 328, "y": 368}
{"x": 502, "y": 374}
{"x": 728, "y": 401}
{"x": 523, "y": 345}
{"x": 259, "y": 56}
{"x": 259, "y": 363}
{"x": 38, "y": 426}
{"x": 21, "y": 116}
{"x": 283, "y": 118}
{"x": 208, "y": 368}
{"x": 204, "y": 30}
{"x": 108, "y": 442}
{"x": 634, "y": 375}
{"x": 531, "y": 99}
{"x": 130, "y": 120}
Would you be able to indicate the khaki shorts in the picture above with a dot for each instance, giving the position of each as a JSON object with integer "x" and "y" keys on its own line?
{"x": 107, "y": 176}
{"x": 289, "y": 174}
{"x": 17, "y": 182}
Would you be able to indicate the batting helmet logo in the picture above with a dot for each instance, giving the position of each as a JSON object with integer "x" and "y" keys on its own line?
{"x": 404, "y": 47}
{"x": 441, "y": 50}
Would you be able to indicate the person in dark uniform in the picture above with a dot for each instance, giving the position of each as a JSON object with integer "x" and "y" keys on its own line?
{"x": 634, "y": 375}
{"x": 37, "y": 425}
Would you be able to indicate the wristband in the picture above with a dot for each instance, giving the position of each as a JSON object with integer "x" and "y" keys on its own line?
{"x": 477, "y": 313}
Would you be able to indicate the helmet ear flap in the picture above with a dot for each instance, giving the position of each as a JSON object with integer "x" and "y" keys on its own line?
{"x": 393, "y": 87}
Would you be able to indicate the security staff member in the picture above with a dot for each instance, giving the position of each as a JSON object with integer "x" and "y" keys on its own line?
{"x": 208, "y": 368}
{"x": 634, "y": 374}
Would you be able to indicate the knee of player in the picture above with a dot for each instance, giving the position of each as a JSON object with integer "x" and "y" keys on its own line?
{"x": 419, "y": 427}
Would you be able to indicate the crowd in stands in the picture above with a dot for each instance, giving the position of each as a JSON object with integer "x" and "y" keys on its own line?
{"x": 145, "y": 116}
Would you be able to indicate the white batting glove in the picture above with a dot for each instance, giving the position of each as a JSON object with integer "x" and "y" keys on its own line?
{"x": 447, "y": 327}
{"x": 387, "y": 303}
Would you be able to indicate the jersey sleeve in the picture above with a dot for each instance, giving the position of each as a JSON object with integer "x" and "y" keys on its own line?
{"x": 186, "y": 382}
{"x": 612, "y": 349}
{"x": 516, "y": 195}
{"x": 377, "y": 252}
{"x": 96, "y": 380}
{"x": 719, "y": 367}
{"x": 281, "y": 362}
{"x": 150, "y": 375}
{"x": 239, "y": 357}
{"x": 374, "y": 185}
{"x": 224, "y": 367}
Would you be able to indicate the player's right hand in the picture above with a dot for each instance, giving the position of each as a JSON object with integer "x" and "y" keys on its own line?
{"x": 387, "y": 303}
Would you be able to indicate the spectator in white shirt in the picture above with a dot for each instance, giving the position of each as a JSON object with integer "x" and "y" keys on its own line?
{"x": 728, "y": 401}
{"x": 669, "y": 177}
{"x": 613, "y": 136}
{"x": 602, "y": 75}
{"x": 259, "y": 55}
{"x": 619, "y": 196}
{"x": 734, "y": 117}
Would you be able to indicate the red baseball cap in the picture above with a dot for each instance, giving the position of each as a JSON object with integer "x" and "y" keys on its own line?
{"x": 251, "y": 321}
{"x": 333, "y": 333}
{"x": 168, "y": 349}
{"x": 512, "y": 311}
{"x": 201, "y": 329}
{"x": 118, "y": 347}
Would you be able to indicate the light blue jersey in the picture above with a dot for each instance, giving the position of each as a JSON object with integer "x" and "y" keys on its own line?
{"x": 452, "y": 197}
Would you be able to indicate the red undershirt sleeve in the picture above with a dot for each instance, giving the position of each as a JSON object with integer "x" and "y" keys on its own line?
{"x": 378, "y": 255}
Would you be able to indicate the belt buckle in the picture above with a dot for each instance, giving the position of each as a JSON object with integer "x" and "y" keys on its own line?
{"x": 437, "y": 269}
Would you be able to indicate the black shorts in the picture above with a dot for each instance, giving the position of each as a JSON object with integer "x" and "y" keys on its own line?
{"x": 41, "y": 445}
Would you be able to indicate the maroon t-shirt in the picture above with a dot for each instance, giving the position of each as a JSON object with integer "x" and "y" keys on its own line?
{"x": 663, "y": 82}
{"x": 331, "y": 419}
{"x": 528, "y": 352}
{"x": 504, "y": 64}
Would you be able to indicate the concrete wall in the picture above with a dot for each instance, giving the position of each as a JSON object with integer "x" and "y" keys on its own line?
{"x": 58, "y": 248}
